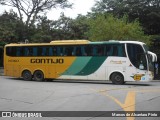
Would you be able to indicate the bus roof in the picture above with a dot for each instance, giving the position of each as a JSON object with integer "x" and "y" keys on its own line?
{"x": 73, "y": 42}
{"x": 135, "y": 42}
{"x": 70, "y": 42}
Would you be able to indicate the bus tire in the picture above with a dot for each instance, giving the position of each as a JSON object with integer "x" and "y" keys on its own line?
{"x": 117, "y": 78}
{"x": 26, "y": 75}
{"x": 38, "y": 75}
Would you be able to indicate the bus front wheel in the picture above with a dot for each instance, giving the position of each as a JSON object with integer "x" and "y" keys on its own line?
{"x": 117, "y": 78}
{"x": 38, "y": 75}
{"x": 27, "y": 75}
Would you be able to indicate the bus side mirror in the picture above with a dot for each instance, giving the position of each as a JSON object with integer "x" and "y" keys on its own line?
{"x": 153, "y": 56}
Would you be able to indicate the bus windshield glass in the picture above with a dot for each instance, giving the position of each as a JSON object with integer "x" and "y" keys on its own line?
{"x": 137, "y": 56}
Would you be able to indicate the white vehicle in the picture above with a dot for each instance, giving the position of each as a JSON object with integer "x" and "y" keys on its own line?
{"x": 117, "y": 61}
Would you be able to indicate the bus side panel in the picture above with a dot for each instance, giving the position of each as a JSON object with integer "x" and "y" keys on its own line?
{"x": 12, "y": 67}
{"x": 8, "y": 71}
{"x": 16, "y": 71}
{"x": 51, "y": 71}
{"x": 100, "y": 74}
{"x": 55, "y": 71}
{"x": 12, "y": 70}
{"x": 116, "y": 64}
{"x": 85, "y": 68}
{"x": 60, "y": 66}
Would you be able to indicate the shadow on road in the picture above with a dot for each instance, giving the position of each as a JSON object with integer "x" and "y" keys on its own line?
{"x": 88, "y": 82}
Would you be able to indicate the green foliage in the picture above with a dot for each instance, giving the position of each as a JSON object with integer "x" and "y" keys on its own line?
{"x": 66, "y": 28}
{"x": 108, "y": 27}
{"x": 101, "y": 24}
{"x": 146, "y": 11}
{"x": 79, "y": 27}
{"x": 41, "y": 32}
{"x": 26, "y": 28}
{"x": 155, "y": 43}
{"x": 9, "y": 24}
{"x": 40, "y": 38}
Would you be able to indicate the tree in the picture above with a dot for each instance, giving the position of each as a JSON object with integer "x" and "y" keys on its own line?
{"x": 61, "y": 29}
{"x": 10, "y": 27}
{"x": 107, "y": 27}
{"x": 68, "y": 28}
{"x": 113, "y": 6}
{"x": 79, "y": 27}
{"x": 146, "y": 11}
{"x": 42, "y": 31}
{"x": 31, "y": 8}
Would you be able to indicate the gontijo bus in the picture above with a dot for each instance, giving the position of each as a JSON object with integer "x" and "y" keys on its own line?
{"x": 117, "y": 61}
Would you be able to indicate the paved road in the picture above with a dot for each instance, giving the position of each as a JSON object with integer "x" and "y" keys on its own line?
{"x": 19, "y": 95}
{"x": 1, "y": 71}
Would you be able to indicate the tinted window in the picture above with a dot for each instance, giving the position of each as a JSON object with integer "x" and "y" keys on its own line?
{"x": 69, "y": 50}
{"x": 136, "y": 55}
{"x": 115, "y": 50}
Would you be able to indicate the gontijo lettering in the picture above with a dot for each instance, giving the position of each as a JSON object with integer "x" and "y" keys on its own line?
{"x": 53, "y": 61}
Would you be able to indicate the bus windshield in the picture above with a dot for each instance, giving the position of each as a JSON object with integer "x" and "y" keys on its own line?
{"x": 137, "y": 56}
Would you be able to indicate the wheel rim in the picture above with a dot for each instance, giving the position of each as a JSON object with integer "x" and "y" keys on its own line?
{"x": 118, "y": 78}
{"x": 27, "y": 75}
{"x": 38, "y": 75}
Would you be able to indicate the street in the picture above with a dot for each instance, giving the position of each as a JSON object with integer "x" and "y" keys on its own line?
{"x": 19, "y": 95}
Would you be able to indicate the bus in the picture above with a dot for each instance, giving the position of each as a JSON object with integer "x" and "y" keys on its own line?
{"x": 116, "y": 61}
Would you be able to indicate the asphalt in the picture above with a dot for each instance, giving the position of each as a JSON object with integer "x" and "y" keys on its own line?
{"x": 1, "y": 71}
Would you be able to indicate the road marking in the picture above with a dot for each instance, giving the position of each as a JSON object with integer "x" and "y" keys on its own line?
{"x": 130, "y": 100}
{"x": 129, "y": 89}
{"x": 128, "y": 105}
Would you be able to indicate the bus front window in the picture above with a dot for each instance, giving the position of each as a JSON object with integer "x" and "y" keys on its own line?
{"x": 137, "y": 56}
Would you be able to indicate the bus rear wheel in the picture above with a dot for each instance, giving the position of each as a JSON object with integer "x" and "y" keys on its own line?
{"x": 117, "y": 78}
{"x": 38, "y": 75}
{"x": 27, "y": 75}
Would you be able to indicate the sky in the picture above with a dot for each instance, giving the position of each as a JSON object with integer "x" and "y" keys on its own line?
{"x": 79, "y": 7}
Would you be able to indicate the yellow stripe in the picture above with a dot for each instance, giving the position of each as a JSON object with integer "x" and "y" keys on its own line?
{"x": 129, "y": 104}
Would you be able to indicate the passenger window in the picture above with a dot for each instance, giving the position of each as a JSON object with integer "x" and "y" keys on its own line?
{"x": 100, "y": 50}
{"x": 89, "y": 50}
{"x": 28, "y": 51}
{"x": 78, "y": 51}
{"x": 94, "y": 50}
{"x": 53, "y": 51}
{"x": 11, "y": 51}
{"x": 115, "y": 50}
{"x": 68, "y": 51}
